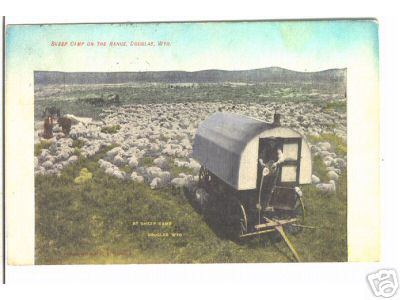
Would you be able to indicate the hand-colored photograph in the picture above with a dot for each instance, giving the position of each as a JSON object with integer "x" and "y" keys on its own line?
{"x": 208, "y": 142}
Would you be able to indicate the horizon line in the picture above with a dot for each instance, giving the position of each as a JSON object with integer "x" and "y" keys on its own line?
{"x": 202, "y": 70}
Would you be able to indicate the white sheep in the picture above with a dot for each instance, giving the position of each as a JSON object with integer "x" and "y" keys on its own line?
{"x": 47, "y": 164}
{"x": 58, "y": 166}
{"x": 136, "y": 178}
{"x": 194, "y": 165}
{"x": 332, "y": 168}
{"x": 40, "y": 170}
{"x": 73, "y": 159}
{"x": 133, "y": 162}
{"x": 328, "y": 161}
{"x": 339, "y": 163}
{"x": 180, "y": 163}
{"x": 332, "y": 175}
{"x": 155, "y": 183}
{"x": 328, "y": 188}
{"x": 154, "y": 147}
{"x": 44, "y": 155}
{"x": 119, "y": 160}
{"x": 118, "y": 173}
{"x": 104, "y": 164}
{"x": 315, "y": 179}
{"x": 109, "y": 171}
{"x": 153, "y": 171}
{"x": 160, "y": 162}
{"x": 325, "y": 153}
{"x": 186, "y": 143}
{"x": 113, "y": 152}
{"x": 63, "y": 155}
{"x": 324, "y": 146}
{"x": 179, "y": 182}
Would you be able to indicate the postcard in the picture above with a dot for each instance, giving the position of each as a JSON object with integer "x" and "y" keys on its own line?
{"x": 192, "y": 142}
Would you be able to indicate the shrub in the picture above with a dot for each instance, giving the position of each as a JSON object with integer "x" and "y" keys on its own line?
{"x": 78, "y": 144}
{"x": 111, "y": 129}
{"x": 339, "y": 145}
{"x": 146, "y": 161}
{"x": 340, "y": 106}
{"x": 42, "y": 145}
{"x": 84, "y": 175}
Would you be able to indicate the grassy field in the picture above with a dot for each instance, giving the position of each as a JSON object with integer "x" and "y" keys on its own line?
{"x": 107, "y": 220}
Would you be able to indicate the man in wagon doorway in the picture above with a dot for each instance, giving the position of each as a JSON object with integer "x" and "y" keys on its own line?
{"x": 270, "y": 159}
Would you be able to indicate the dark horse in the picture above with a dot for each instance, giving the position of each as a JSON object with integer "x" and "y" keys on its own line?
{"x": 65, "y": 124}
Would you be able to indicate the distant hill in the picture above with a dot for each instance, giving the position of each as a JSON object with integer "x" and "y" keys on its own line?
{"x": 271, "y": 74}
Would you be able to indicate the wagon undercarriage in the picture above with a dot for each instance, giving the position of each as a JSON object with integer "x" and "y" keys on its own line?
{"x": 244, "y": 219}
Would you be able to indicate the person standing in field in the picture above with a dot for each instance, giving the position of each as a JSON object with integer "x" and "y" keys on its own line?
{"x": 48, "y": 128}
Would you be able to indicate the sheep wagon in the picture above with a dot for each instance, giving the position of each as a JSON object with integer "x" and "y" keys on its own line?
{"x": 252, "y": 196}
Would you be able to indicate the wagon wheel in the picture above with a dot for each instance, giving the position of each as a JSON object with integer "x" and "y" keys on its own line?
{"x": 299, "y": 213}
{"x": 236, "y": 220}
{"x": 302, "y": 210}
{"x": 204, "y": 176}
{"x": 243, "y": 220}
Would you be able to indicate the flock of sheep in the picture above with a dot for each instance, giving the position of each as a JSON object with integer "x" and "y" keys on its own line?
{"x": 153, "y": 139}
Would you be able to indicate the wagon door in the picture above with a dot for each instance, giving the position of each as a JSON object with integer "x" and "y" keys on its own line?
{"x": 278, "y": 188}
{"x": 267, "y": 152}
{"x": 284, "y": 195}
{"x": 290, "y": 168}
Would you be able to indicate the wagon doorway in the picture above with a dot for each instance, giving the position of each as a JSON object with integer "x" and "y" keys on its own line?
{"x": 274, "y": 184}
{"x": 267, "y": 155}
{"x": 267, "y": 149}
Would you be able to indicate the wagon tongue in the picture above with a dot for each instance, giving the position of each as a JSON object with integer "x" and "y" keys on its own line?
{"x": 277, "y": 225}
{"x": 288, "y": 242}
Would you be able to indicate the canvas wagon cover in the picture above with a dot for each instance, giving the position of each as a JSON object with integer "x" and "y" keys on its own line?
{"x": 220, "y": 141}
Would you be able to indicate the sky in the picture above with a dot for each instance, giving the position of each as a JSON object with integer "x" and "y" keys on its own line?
{"x": 296, "y": 45}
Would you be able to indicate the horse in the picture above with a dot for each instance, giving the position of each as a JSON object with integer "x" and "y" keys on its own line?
{"x": 65, "y": 124}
